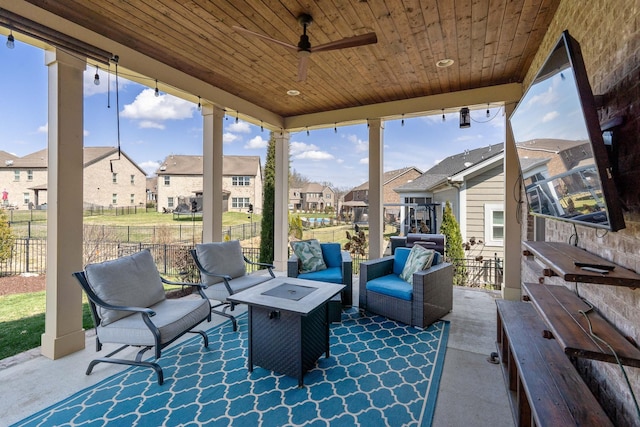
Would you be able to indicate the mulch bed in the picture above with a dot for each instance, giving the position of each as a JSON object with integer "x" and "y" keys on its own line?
{"x": 21, "y": 284}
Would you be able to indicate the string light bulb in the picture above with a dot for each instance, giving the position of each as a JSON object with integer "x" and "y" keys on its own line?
{"x": 199, "y": 104}
{"x": 96, "y": 78}
{"x": 11, "y": 42}
{"x": 307, "y": 131}
{"x": 261, "y": 126}
{"x": 335, "y": 128}
{"x": 157, "y": 92}
{"x": 402, "y": 121}
{"x": 236, "y": 117}
{"x": 444, "y": 119}
{"x": 488, "y": 113}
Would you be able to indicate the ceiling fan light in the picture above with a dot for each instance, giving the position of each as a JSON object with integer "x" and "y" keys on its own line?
{"x": 444, "y": 63}
{"x": 293, "y": 92}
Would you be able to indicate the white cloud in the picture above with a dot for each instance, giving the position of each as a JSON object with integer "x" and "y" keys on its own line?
{"x": 340, "y": 161}
{"x": 296, "y": 148}
{"x": 148, "y": 124}
{"x": 364, "y": 161}
{"x": 152, "y": 110}
{"x": 359, "y": 145}
{"x": 314, "y": 155}
{"x": 150, "y": 166}
{"x": 549, "y": 116}
{"x": 228, "y": 138}
{"x": 239, "y": 127}
{"x": 85, "y": 133}
{"x": 256, "y": 143}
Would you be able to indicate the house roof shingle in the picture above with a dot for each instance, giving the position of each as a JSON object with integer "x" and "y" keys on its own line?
{"x": 179, "y": 164}
{"x": 388, "y": 177}
{"x": 39, "y": 159}
{"x": 450, "y": 166}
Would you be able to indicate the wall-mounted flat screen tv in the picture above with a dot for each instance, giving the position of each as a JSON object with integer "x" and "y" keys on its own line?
{"x": 563, "y": 159}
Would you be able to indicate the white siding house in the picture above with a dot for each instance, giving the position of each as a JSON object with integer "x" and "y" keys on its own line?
{"x": 473, "y": 183}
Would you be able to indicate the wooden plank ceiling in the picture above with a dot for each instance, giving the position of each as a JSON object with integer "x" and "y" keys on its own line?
{"x": 492, "y": 42}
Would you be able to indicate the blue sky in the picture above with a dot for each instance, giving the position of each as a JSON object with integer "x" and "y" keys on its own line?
{"x": 152, "y": 128}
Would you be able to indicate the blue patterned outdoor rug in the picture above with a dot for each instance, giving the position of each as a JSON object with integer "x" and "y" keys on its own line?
{"x": 380, "y": 373}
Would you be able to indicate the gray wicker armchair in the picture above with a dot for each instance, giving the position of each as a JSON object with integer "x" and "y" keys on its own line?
{"x": 428, "y": 299}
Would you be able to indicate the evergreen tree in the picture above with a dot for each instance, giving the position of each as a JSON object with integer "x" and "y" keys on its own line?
{"x": 6, "y": 237}
{"x": 268, "y": 204}
{"x": 454, "y": 250}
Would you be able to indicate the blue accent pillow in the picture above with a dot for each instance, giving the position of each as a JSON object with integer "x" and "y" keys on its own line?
{"x": 331, "y": 254}
{"x": 400, "y": 259}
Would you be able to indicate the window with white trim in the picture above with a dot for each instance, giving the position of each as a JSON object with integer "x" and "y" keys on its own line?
{"x": 170, "y": 202}
{"x": 132, "y": 200}
{"x": 16, "y": 175}
{"x": 133, "y": 179}
{"x": 240, "y": 202}
{"x": 114, "y": 199}
{"x": 494, "y": 224}
{"x": 25, "y": 198}
{"x": 29, "y": 175}
{"x": 241, "y": 181}
{"x": 167, "y": 180}
{"x": 114, "y": 178}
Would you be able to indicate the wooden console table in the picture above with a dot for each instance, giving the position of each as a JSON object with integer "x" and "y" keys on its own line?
{"x": 562, "y": 311}
{"x": 560, "y": 258}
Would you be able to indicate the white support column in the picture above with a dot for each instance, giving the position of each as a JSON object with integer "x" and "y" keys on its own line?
{"x": 512, "y": 230}
{"x": 212, "y": 163}
{"x": 281, "y": 202}
{"x": 376, "y": 196}
{"x": 63, "y": 319}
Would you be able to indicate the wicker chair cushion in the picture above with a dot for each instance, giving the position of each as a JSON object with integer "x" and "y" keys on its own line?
{"x": 221, "y": 258}
{"x": 419, "y": 259}
{"x": 331, "y": 254}
{"x": 331, "y": 275}
{"x": 392, "y": 286}
{"x": 309, "y": 255}
{"x": 131, "y": 280}
{"x": 400, "y": 259}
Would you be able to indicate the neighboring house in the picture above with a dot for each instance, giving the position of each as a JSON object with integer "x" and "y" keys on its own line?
{"x": 356, "y": 201}
{"x": 152, "y": 189}
{"x": 473, "y": 183}
{"x": 110, "y": 179}
{"x": 180, "y": 179}
{"x": 316, "y": 197}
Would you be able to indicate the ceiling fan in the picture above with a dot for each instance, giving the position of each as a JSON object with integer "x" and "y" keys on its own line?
{"x": 304, "y": 48}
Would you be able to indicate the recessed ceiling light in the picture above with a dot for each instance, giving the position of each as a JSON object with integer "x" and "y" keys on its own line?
{"x": 293, "y": 92}
{"x": 443, "y": 63}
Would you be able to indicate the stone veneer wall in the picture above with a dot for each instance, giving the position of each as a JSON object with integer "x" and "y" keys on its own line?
{"x": 609, "y": 35}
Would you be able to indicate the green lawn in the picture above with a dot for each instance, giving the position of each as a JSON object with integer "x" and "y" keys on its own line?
{"x": 22, "y": 322}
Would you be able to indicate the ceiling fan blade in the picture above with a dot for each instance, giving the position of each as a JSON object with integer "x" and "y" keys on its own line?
{"x": 267, "y": 38}
{"x": 364, "y": 39}
{"x": 303, "y": 64}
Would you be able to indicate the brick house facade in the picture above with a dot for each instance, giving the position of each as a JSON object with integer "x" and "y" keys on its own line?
{"x": 110, "y": 179}
{"x": 180, "y": 178}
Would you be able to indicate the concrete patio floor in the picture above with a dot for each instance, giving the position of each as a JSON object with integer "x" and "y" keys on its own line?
{"x": 472, "y": 390}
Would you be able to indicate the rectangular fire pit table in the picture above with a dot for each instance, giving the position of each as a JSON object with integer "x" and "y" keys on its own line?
{"x": 288, "y": 324}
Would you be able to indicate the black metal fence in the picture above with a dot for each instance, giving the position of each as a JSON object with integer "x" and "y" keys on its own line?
{"x": 169, "y": 233}
{"x": 30, "y": 256}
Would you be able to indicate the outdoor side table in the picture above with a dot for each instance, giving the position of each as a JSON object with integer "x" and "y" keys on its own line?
{"x": 288, "y": 324}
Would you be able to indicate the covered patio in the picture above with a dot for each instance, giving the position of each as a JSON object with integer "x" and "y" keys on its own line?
{"x": 430, "y": 57}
